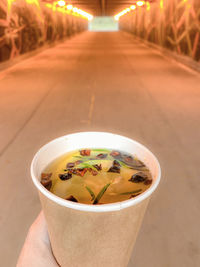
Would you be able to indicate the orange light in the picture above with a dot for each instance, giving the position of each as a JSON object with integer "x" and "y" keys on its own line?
{"x": 69, "y": 7}
{"x": 133, "y": 7}
{"x": 90, "y": 17}
{"x": 116, "y": 17}
{"x": 140, "y": 3}
{"x": 31, "y": 2}
{"x": 148, "y": 6}
{"x": 75, "y": 9}
{"x": 48, "y": 5}
{"x": 61, "y": 3}
{"x": 124, "y": 11}
{"x": 10, "y": 2}
{"x": 161, "y": 4}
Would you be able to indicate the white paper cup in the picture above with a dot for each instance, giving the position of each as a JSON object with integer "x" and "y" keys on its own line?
{"x": 92, "y": 235}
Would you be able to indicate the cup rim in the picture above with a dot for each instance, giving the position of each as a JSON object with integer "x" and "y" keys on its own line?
{"x": 116, "y": 206}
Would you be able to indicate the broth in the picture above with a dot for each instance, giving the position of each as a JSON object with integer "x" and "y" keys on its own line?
{"x": 97, "y": 176}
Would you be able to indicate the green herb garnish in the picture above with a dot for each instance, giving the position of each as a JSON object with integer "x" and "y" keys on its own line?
{"x": 101, "y": 150}
{"x": 132, "y": 192}
{"x": 137, "y": 168}
{"x": 91, "y": 192}
{"x": 123, "y": 164}
{"x": 101, "y": 193}
{"x": 93, "y": 161}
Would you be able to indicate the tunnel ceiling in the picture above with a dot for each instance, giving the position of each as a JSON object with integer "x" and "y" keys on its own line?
{"x": 101, "y": 7}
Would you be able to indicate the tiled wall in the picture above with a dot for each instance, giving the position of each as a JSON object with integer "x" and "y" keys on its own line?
{"x": 174, "y": 24}
{"x": 27, "y": 25}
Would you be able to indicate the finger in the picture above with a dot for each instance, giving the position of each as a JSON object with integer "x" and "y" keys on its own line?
{"x": 36, "y": 251}
{"x": 39, "y": 228}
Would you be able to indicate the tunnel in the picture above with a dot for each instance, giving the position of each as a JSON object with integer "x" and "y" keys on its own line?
{"x": 126, "y": 67}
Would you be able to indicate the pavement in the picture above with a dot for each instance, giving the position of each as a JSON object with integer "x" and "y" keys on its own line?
{"x": 105, "y": 82}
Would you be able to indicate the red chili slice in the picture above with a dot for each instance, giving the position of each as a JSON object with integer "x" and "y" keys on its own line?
{"x": 85, "y": 152}
{"x": 115, "y": 153}
{"x": 46, "y": 180}
{"x": 101, "y": 156}
{"x": 81, "y": 172}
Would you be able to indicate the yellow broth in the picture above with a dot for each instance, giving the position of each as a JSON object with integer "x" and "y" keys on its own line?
{"x": 96, "y": 176}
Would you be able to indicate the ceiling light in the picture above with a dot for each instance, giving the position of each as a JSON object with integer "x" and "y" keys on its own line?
{"x": 69, "y": 7}
{"x": 133, "y": 7}
{"x": 140, "y": 3}
{"x": 61, "y": 3}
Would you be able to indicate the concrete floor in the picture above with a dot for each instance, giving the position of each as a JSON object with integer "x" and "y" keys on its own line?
{"x": 105, "y": 82}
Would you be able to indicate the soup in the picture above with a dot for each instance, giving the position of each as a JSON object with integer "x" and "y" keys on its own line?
{"x": 96, "y": 176}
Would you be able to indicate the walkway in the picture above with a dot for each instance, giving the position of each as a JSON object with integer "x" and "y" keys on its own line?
{"x": 105, "y": 82}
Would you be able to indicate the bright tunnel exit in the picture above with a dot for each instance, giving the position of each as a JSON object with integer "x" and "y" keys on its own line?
{"x": 103, "y": 24}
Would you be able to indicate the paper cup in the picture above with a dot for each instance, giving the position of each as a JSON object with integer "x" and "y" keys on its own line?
{"x": 92, "y": 235}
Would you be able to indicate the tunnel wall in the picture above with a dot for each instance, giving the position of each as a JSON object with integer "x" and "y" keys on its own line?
{"x": 174, "y": 24}
{"x": 26, "y": 25}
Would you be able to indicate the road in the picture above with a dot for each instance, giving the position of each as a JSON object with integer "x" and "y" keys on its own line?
{"x": 105, "y": 82}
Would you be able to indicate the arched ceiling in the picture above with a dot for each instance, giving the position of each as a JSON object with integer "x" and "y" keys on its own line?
{"x": 101, "y": 7}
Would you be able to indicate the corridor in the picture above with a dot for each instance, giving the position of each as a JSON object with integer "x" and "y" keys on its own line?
{"x": 105, "y": 82}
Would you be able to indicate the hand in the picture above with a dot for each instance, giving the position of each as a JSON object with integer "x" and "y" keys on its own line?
{"x": 36, "y": 251}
